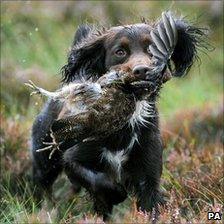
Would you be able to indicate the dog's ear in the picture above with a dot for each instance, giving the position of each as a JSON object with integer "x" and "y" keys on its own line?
{"x": 87, "y": 56}
{"x": 82, "y": 33}
{"x": 189, "y": 40}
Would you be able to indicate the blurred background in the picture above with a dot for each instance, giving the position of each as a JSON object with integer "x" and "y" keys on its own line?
{"x": 35, "y": 40}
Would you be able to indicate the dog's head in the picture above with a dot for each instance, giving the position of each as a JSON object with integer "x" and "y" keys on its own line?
{"x": 127, "y": 48}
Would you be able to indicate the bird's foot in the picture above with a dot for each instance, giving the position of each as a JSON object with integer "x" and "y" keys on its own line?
{"x": 53, "y": 146}
{"x": 36, "y": 89}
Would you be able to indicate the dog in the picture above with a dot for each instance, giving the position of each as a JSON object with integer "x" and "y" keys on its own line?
{"x": 135, "y": 149}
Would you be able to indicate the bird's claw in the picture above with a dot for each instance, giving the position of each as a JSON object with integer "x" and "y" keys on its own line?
{"x": 30, "y": 84}
{"x": 53, "y": 146}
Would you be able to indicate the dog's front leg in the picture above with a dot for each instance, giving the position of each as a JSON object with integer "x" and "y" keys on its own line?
{"x": 149, "y": 196}
{"x": 145, "y": 166}
{"x": 83, "y": 164}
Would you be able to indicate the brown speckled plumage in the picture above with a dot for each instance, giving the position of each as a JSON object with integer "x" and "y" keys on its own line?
{"x": 106, "y": 115}
{"x": 104, "y": 107}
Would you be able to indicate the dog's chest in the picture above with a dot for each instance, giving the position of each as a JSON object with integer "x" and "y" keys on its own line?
{"x": 143, "y": 111}
{"x": 116, "y": 160}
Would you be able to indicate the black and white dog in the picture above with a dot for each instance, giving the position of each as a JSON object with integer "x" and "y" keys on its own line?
{"x": 155, "y": 52}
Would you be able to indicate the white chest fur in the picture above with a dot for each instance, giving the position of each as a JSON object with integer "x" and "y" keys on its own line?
{"x": 118, "y": 158}
{"x": 142, "y": 111}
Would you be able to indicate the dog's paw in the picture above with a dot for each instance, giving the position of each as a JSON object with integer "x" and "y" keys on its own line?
{"x": 119, "y": 194}
{"x": 113, "y": 193}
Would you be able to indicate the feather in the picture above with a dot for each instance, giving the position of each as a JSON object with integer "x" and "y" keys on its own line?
{"x": 158, "y": 42}
{"x": 156, "y": 53}
{"x": 173, "y": 25}
{"x": 163, "y": 36}
{"x": 168, "y": 28}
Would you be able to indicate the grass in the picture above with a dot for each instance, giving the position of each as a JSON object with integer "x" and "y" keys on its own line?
{"x": 34, "y": 45}
{"x": 192, "y": 177}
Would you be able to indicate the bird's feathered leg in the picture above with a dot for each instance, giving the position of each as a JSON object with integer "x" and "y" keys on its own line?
{"x": 41, "y": 91}
{"x": 62, "y": 94}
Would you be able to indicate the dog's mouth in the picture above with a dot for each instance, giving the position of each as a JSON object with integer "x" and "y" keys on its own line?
{"x": 152, "y": 82}
{"x": 142, "y": 88}
{"x": 143, "y": 84}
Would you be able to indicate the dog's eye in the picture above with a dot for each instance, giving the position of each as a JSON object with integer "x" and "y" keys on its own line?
{"x": 120, "y": 53}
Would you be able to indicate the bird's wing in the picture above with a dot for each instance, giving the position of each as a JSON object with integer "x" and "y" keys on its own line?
{"x": 164, "y": 37}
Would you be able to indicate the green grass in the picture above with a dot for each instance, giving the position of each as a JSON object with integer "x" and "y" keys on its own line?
{"x": 42, "y": 42}
{"x": 31, "y": 42}
{"x": 203, "y": 85}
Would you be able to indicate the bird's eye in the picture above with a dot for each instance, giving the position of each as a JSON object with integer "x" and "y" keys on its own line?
{"x": 120, "y": 53}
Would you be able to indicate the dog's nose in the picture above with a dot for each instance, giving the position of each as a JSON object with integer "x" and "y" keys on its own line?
{"x": 141, "y": 71}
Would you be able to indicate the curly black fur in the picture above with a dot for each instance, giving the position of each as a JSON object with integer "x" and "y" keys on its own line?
{"x": 190, "y": 40}
{"x": 86, "y": 58}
